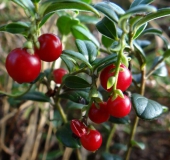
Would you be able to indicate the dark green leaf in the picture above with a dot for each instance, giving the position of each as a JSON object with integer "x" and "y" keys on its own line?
{"x": 69, "y": 62}
{"x": 34, "y": 96}
{"x": 64, "y": 24}
{"x": 138, "y": 2}
{"x": 119, "y": 146}
{"x": 109, "y": 156}
{"x": 139, "y": 31}
{"x": 107, "y": 10}
{"x": 102, "y": 61}
{"x": 161, "y": 70}
{"x": 79, "y": 32}
{"x": 145, "y": 108}
{"x": 124, "y": 120}
{"x": 107, "y": 28}
{"x": 86, "y": 1}
{"x": 138, "y": 144}
{"x": 75, "y": 82}
{"x": 88, "y": 49}
{"x": 65, "y": 136}
{"x": 45, "y": 18}
{"x": 76, "y": 55}
{"x": 107, "y": 42}
{"x": 53, "y": 5}
{"x": 18, "y": 28}
{"x": 35, "y": 1}
{"x": 76, "y": 96}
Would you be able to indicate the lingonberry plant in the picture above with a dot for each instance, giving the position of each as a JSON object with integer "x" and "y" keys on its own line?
{"x": 105, "y": 81}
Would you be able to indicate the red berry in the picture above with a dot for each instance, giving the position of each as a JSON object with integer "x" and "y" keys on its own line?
{"x": 124, "y": 77}
{"x": 58, "y": 75}
{"x": 92, "y": 140}
{"x": 78, "y": 128}
{"x": 50, "y": 47}
{"x": 99, "y": 115}
{"x": 120, "y": 107}
{"x": 22, "y": 66}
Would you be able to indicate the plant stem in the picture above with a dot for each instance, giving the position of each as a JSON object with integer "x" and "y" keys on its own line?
{"x": 119, "y": 59}
{"x": 132, "y": 135}
{"x": 110, "y": 137}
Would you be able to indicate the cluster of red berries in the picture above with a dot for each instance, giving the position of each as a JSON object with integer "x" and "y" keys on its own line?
{"x": 99, "y": 113}
{"x": 24, "y": 67}
{"x": 90, "y": 139}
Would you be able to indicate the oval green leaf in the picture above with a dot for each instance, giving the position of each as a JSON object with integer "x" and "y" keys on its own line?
{"x": 107, "y": 28}
{"x": 124, "y": 120}
{"x": 53, "y": 5}
{"x": 75, "y": 82}
{"x": 138, "y": 2}
{"x": 145, "y": 108}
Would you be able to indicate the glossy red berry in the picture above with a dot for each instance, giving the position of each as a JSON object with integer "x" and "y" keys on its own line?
{"x": 22, "y": 66}
{"x": 124, "y": 77}
{"x": 92, "y": 140}
{"x": 120, "y": 107}
{"x": 99, "y": 115}
{"x": 50, "y": 47}
{"x": 78, "y": 128}
{"x": 58, "y": 75}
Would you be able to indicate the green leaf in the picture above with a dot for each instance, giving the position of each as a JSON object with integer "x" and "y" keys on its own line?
{"x": 139, "y": 31}
{"x": 103, "y": 61}
{"x": 64, "y": 135}
{"x": 35, "y": 1}
{"x": 88, "y": 49}
{"x": 107, "y": 42}
{"x": 75, "y": 82}
{"x": 111, "y": 82}
{"x": 64, "y": 24}
{"x": 76, "y": 96}
{"x": 69, "y": 62}
{"x": 151, "y": 16}
{"x": 109, "y": 156}
{"x": 107, "y": 28}
{"x": 152, "y": 31}
{"x": 138, "y": 144}
{"x": 85, "y": 1}
{"x": 17, "y": 28}
{"x": 2, "y": 28}
{"x": 107, "y": 10}
{"x": 45, "y": 18}
{"x": 79, "y": 32}
{"x": 124, "y": 120}
{"x": 145, "y": 108}
{"x": 161, "y": 70}
{"x": 53, "y": 5}
{"x": 34, "y": 96}
{"x": 89, "y": 19}
{"x": 137, "y": 9}
{"x": 76, "y": 55}
{"x": 138, "y": 2}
